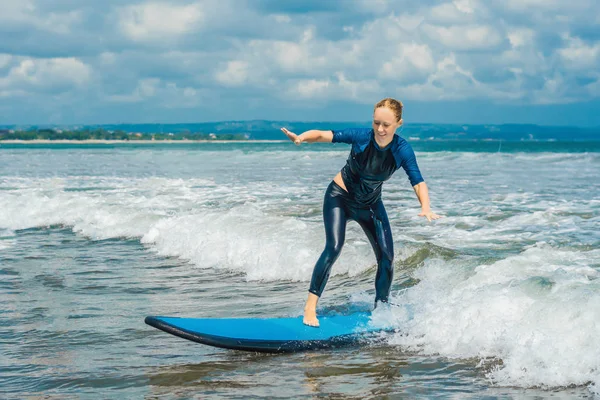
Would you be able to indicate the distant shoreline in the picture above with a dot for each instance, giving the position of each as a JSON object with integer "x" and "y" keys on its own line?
{"x": 98, "y": 141}
{"x": 250, "y": 141}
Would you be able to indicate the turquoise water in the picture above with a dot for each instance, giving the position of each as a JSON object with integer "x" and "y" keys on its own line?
{"x": 488, "y": 146}
{"x": 503, "y": 292}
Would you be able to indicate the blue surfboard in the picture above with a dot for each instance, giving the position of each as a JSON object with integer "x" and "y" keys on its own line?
{"x": 272, "y": 335}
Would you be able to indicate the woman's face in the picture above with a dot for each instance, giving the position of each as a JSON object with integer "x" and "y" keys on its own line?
{"x": 384, "y": 123}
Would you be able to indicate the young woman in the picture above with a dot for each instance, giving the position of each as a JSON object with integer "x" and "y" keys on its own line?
{"x": 355, "y": 194}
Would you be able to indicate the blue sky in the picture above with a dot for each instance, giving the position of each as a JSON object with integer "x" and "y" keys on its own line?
{"x": 462, "y": 61}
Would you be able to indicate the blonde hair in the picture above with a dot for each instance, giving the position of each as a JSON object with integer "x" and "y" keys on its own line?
{"x": 392, "y": 104}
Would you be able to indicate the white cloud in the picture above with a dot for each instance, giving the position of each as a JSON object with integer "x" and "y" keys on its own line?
{"x": 449, "y": 81}
{"x": 459, "y": 11}
{"x": 277, "y": 59}
{"x": 364, "y": 91}
{"x": 5, "y": 59}
{"x": 189, "y": 92}
{"x": 158, "y": 21}
{"x": 471, "y": 37}
{"x": 234, "y": 74}
{"x": 310, "y": 88}
{"x": 26, "y": 13}
{"x": 387, "y": 53}
{"x": 407, "y": 22}
{"x": 554, "y": 91}
{"x": 546, "y": 5}
{"x": 290, "y": 56}
{"x": 47, "y": 73}
{"x": 337, "y": 87}
{"x": 306, "y": 55}
{"x": 166, "y": 94}
{"x": 108, "y": 58}
{"x": 466, "y": 6}
{"x": 13, "y": 93}
{"x": 521, "y": 37}
{"x": 173, "y": 96}
{"x": 412, "y": 62}
{"x": 579, "y": 55}
{"x": 529, "y": 64}
{"x": 593, "y": 89}
{"x": 145, "y": 89}
{"x": 281, "y": 18}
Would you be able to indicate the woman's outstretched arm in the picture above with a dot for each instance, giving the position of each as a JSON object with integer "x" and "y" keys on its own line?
{"x": 309, "y": 136}
{"x": 423, "y": 195}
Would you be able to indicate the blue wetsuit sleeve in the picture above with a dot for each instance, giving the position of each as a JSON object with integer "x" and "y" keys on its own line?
{"x": 410, "y": 166}
{"x": 349, "y": 135}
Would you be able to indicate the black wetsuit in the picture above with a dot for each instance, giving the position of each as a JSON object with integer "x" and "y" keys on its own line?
{"x": 367, "y": 167}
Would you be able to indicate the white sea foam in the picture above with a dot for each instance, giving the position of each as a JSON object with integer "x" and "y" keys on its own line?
{"x": 247, "y": 240}
{"x": 537, "y": 311}
{"x": 211, "y": 226}
{"x": 98, "y": 217}
{"x": 7, "y": 239}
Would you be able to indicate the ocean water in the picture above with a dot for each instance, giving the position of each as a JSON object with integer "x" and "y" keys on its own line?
{"x": 500, "y": 299}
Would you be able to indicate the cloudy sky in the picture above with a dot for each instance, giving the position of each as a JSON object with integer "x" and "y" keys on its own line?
{"x": 461, "y": 61}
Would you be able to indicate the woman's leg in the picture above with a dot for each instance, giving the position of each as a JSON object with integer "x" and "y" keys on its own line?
{"x": 334, "y": 218}
{"x": 376, "y": 225}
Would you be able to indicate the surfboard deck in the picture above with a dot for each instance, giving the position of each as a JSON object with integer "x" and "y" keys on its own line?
{"x": 272, "y": 335}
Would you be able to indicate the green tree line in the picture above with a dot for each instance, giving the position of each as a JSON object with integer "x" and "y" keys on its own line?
{"x": 101, "y": 134}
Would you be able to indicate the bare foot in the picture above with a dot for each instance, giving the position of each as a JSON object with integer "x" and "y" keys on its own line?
{"x": 310, "y": 318}
{"x": 310, "y": 311}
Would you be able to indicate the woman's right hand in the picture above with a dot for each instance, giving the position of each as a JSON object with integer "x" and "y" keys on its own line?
{"x": 292, "y": 136}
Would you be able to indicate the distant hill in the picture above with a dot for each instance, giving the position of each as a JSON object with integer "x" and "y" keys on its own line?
{"x": 269, "y": 130}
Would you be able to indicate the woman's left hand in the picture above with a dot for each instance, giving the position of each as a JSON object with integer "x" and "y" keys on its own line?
{"x": 292, "y": 136}
{"x": 430, "y": 215}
